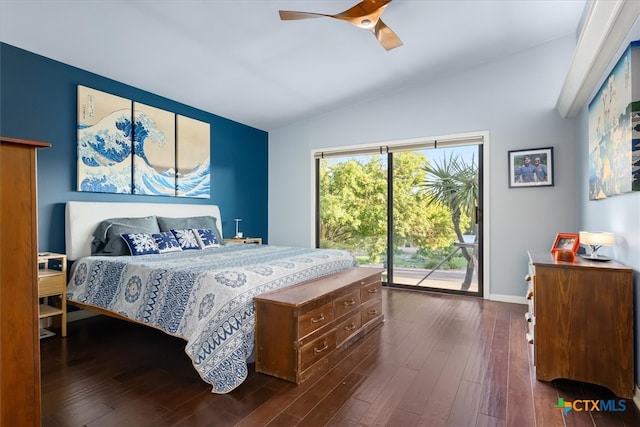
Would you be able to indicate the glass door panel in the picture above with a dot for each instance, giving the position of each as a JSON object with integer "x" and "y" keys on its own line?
{"x": 353, "y": 206}
{"x": 435, "y": 235}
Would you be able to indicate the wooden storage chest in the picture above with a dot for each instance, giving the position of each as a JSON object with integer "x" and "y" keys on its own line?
{"x": 300, "y": 328}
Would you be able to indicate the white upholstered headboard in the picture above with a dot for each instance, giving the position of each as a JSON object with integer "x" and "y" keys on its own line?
{"x": 82, "y": 218}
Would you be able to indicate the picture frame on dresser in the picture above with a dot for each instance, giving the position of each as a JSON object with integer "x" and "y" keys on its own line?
{"x": 566, "y": 242}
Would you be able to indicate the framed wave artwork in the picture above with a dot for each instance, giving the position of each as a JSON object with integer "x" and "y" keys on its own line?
{"x": 132, "y": 148}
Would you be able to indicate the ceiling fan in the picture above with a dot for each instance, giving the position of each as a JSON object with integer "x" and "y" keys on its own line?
{"x": 365, "y": 15}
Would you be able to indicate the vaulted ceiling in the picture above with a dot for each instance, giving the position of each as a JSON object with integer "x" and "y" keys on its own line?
{"x": 237, "y": 59}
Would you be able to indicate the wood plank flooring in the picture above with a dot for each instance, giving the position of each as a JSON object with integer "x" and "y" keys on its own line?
{"x": 438, "y": 360}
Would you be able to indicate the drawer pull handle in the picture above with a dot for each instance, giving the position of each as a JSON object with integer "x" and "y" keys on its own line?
{"x": 372, "y": 312}
{"x": 527, "y": 278}
{"x": 350, "y": 327}
{"x": 373, "y": 290}
{"x": 529, "y": 338}
{"x": 529, "y": 294}
{"x": 320, "y": 350}
{"x": 349, "y": 303}
{"x": 362, "y": 282}
{"x": 317, "y": 319}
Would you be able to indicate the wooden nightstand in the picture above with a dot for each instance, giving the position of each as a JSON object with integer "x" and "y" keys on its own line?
{"x": 254, "y": 240}
{"x": 52, "y": 282}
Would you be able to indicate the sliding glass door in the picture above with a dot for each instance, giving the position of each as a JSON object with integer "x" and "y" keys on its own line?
{"x": 414, "y": 210}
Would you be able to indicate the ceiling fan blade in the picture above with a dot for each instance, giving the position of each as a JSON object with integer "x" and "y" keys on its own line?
{"x": 387, "y": 38}
{"x": 364, "y": 8}
{"x": 290, "y": 15}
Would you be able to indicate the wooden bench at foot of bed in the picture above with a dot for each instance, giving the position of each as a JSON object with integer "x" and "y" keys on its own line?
{"x": 299, "y": 329}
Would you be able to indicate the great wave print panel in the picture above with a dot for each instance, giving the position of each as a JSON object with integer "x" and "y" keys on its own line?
{"x": 104, "y": 142}
{"x": 193, "y": 174}
{"x": 154, "y": 151}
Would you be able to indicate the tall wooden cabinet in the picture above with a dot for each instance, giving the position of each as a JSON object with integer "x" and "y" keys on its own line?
{"x": 583, "y": 322}
{"x": 19, "y": 332}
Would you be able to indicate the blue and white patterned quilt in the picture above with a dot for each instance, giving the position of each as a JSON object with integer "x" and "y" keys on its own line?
{"x": 204, "y": 296}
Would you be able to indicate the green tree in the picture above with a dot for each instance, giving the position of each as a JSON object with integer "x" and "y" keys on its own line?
{"x": 415, "y": 220}
{"x": 353, "y": 202}
{"x": 454, "y": 183}
{"x": 353, "y": 206}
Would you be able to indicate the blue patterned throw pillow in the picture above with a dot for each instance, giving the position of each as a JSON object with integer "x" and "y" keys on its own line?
{"x": 140, "y": 243}
{"x": 166, "y": 242}
{"x": 206, "y": 238}
{"x": 186, "y": 239}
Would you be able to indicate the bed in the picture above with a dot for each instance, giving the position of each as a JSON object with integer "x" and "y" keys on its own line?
{"x": 202, "y": 296}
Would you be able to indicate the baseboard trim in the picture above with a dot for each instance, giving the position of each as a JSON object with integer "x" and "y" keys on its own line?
{"x": 636, "y": 397}
{"x": 79, "y": 315}
{"x": 508, "y": 298}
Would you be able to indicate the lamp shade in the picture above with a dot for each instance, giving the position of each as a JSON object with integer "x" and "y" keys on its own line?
{"x": 593, "y": 238}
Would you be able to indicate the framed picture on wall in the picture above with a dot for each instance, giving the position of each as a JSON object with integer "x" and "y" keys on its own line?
{"x": 531, "y": 168}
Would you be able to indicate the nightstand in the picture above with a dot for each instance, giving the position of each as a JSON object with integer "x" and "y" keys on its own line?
{"x": 52, "y": 285}
{"x": 254, "y": 240}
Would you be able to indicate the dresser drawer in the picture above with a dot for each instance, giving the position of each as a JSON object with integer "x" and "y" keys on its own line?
{"x": 51, "y": 285}
{"x": 347, "y": 303}
{"x": 315, "y": 319}
{"x": 371, "y": 291}
{"x": 317, "y": 349}
{"x": 371, "y": 311}
{"x": 347, "y": 328}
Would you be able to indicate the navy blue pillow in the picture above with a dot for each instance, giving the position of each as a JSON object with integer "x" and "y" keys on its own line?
{"x": 140, "y": 243}
{"x": 186, "y": 239}
{"x": 207, "y": 238}
{"x": 166, "y": 242}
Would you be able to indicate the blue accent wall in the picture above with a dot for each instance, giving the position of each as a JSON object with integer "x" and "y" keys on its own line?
{"x": 38, "y": 100}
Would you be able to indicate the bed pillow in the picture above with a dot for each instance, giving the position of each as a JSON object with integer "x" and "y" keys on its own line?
{"x": 106, "y": 237}
{"x": 192, "y": 222}
{"x": 140, "y": 243}
{"x": 207, "y": 238}
{"x": 186, "y": 239}
{"x": 166, "y": 242}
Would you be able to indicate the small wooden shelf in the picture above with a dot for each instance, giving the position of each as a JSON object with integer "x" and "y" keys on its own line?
{"x": 52, "y": 288}
{"x": 47, "y": 311}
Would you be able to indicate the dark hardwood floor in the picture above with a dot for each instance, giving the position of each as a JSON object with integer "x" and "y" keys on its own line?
{"x": 438, "y": 360}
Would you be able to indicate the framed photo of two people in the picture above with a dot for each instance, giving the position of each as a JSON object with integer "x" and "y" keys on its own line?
{"x": 531, "y": 168}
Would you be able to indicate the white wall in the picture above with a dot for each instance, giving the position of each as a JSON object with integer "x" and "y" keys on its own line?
{"x": 512, "y": 99}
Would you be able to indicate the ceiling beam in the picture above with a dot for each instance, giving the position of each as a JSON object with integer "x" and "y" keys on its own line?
{"x": 607, "y": 24}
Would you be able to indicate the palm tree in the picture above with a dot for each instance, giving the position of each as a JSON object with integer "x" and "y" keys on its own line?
{"x": 454, "y": 184}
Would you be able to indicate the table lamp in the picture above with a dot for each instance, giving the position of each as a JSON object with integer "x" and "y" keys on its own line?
{"x": 595, "y": 240}
{"x": 238, "y": 232}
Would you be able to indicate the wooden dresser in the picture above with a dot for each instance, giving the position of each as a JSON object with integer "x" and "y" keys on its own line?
{"x": 300, "y": 328}
{"x": 19, "y": 331}
{"x": 583, "y": 322}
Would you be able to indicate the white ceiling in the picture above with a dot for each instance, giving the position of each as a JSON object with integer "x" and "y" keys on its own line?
{"x": 237, "y": 59}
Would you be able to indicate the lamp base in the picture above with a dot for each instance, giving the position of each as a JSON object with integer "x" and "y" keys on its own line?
{"x": 595, "y": 258}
